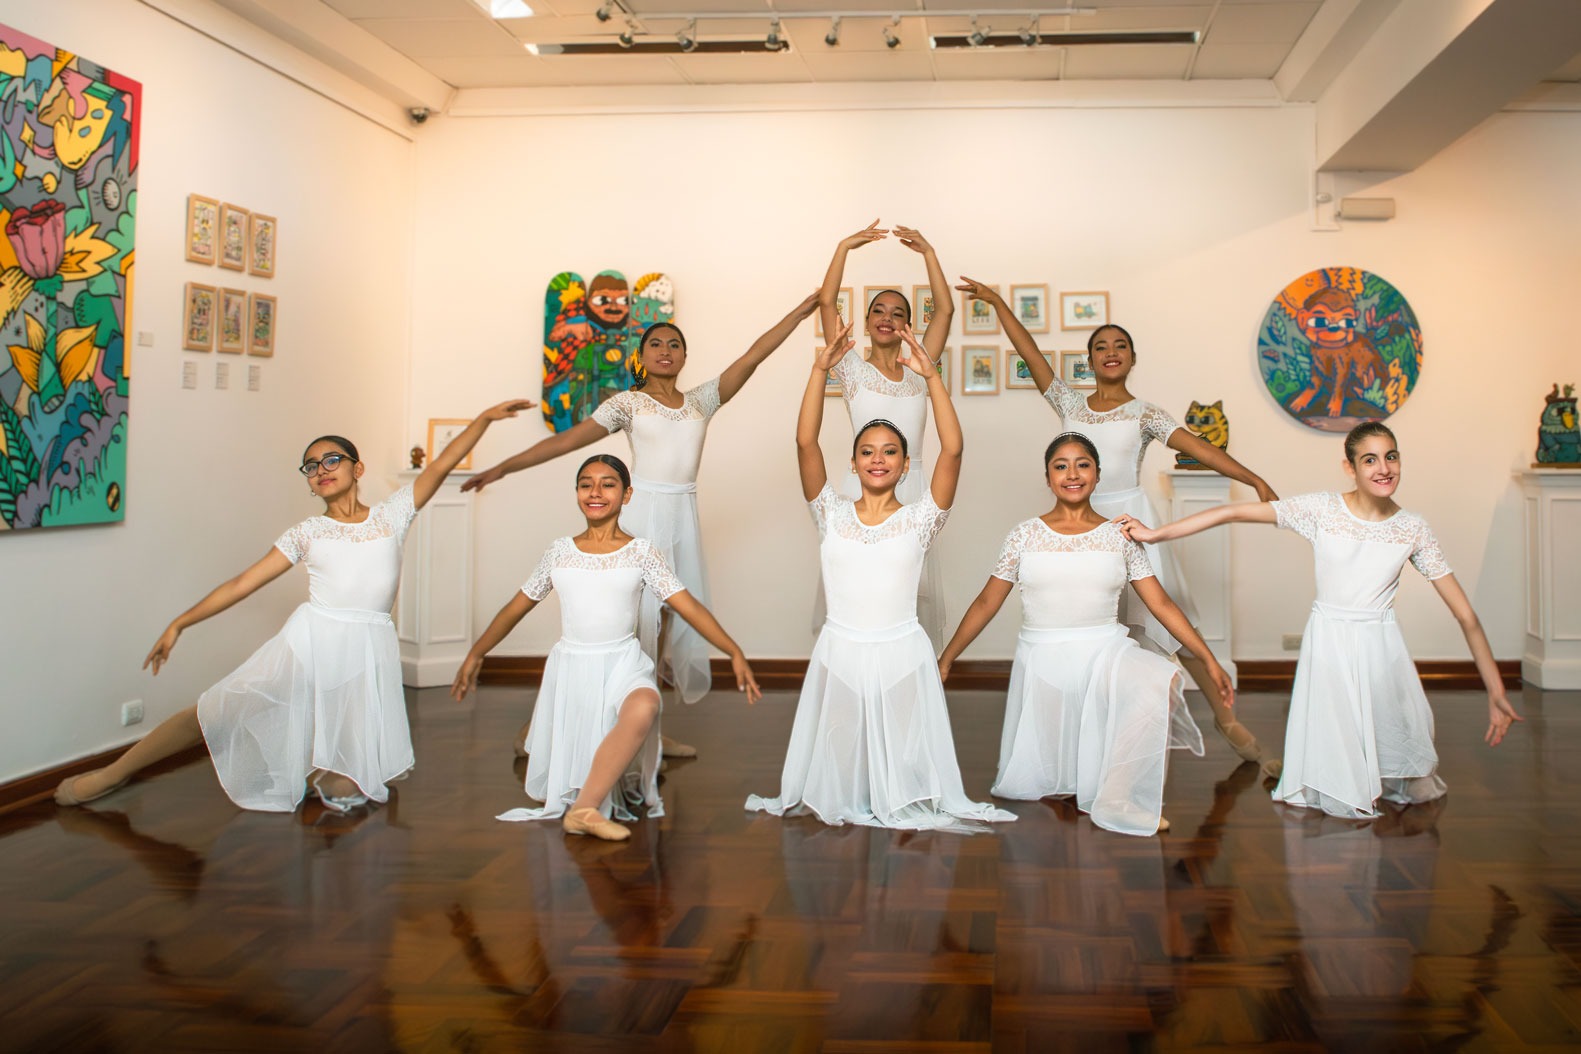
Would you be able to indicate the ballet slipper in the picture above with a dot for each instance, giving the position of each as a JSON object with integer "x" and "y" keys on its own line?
{"x": 342, "y": 803}
{"x": 520, "y": 746}
{"x": 672, "y": 748}
{"x": 591, "y": 821}
{"x": 65, "y": 795}
{"x": 1163, "y": 825}
{"x": 1248, "y": 749}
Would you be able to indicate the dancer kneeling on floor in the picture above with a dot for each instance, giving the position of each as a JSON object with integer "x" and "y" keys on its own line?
{"x": 593, "y": 744}
{"x": 1090, "y": 713}
{"x": 871, "y": 742}
{"x": 320, "y": 705}
{"x": 1360, "y": 729}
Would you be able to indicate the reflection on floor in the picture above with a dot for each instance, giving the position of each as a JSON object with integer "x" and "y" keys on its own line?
{"x": 163, "y": 919}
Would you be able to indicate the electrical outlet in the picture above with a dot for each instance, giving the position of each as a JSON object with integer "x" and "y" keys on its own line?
{"x": 145, "y": 339}
{"x": 1291, "y": 641}
{"x": 132, "y": 712}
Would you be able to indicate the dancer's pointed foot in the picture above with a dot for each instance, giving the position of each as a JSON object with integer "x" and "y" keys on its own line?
{"x": 672, "y": 748}
{"x": 591, "y": 821}
{"x": 1163, "y": 825}
{"x": 90, "y": 786}
{"x": 1241, "y": 740}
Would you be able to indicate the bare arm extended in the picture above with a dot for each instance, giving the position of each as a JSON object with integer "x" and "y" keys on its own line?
{"x": 809, "y": 421}
{"x": 1042, "y": 373}
{"x": 1501, "y": 714}
{"x": 947, "y": 467}
{"x": 738, "y": 372}
{"x": 583, "y": 433}
{"x": 513, "y": 612}
{"x": 427, "y": 483}
{"x": 1220, "y": 462}
{"x": 828, "y": 308}
{"x": 978, "y": 615}
{"x": 943, "y": 301}
{"x": 1241, "y": 512}
{"x": 703, "y": 621}
{"x": 272, "y": 566}
{"x": 1164, "y": 608}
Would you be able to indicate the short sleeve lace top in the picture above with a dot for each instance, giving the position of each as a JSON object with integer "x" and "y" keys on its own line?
{"x": 666, "y": 444}
{"x": 599, "y": 592}
{"x": 1358, "y": 562}
{"x": 1121, "y": 435}
{"x": 1070, "y": 580}
{"x": 353, "y": 566}
{"x": 870, "y": 573}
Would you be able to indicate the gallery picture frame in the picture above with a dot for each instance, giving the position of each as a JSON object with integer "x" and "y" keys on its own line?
{"x": 263, "y": 317}
{"x": 978, "y": 317}
{"x": 441, "y": 430}
{"x": 263, "y": 240}
{"x": 943, "y": 364}
{"x": 1016, "y": 373}
{"x": 233, "y": 237}
{"x": 979, "y": 369}
{"x": 198, "y": 311}
{"x": 842, "y": 307}
{"x": 922, "y": 309}
{"x": 1030, "y": 303}
{"x": 831, "y": 385}
{"x": 1088, "y": 310}
{"x": 1075, "y": 369}
{"x": 203, "y": 229}
{"x": 230, "y": 333}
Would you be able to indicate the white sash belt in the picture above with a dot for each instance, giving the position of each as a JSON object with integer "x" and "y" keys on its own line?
{"x": 589, "y": 647}
{"x": 1339, "y": 614}
{"x": 351, "y": 614}
{"x": 872, "y": 636}
{"x": 1117, "y": 495}
{"x": 1060, "y": 636}
{"x": 655, "y": 487}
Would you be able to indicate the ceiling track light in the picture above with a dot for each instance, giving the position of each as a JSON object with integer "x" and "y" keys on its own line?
{"x": 628, "y": 36}
{"x": 774, "y": 41}
{"x": 891, "y": 41}
{"x": 978, "y": 37}
{"x": 1029, "y": 33}
{"x": 832, "y": 38}
{"x": 606, "y": 11}
{"x": 687, "y": 37}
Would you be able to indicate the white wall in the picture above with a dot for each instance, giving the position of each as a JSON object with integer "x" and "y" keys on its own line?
{"x": 211, "y": 478}
{"x": 1193, "y": 219}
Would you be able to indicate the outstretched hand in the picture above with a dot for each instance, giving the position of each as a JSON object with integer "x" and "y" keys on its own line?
{"x": 509, "y": 408}
{"x": 489, "y": 475}
{"x": 160, "y": 653}
{"x": 1500, "y": 716}
{"x": 871, "y": 233}
{"x": 1135, "y": 529}
{"x": 805, "y": 308}
{"x": 917, "y": 359}
{"x": 944, "y": 669}
{"x": 745, "y": 681}
{"x": 828, "y": 357}
{"x": 466, "y": 677}
{"x": 912, "y": 239}
{"x": 979, "y": 290}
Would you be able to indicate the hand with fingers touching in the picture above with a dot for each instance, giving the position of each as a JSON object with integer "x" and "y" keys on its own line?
{"x": 1135, "y": 529}
{"x": 1501, "y": 715}
{"x": 912, "y": 239}
{"x": 830, "y": 356}
{"x": 160, "y": 653}
{"x": 916, "y": 357}
{"x": 466, "y": 677}
{"x": 745, "y": 681}
{"x": 871, "y": 233}
{"x": 980, "y": 291}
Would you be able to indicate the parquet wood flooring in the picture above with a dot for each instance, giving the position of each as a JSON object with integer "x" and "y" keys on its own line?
{"x": 164, "y": 919}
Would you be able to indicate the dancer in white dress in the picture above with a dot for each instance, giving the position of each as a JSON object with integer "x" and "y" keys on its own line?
{"x": 1121, "y": 426}
{"x": 666, "y": 428}
{"x": 1360, "y": 729}
{"x": 882, "y": 388}
{"x": 320, "y": 705}
{"x": 871, "y": 742}
{"x": 596, "y": 717}
{"x": 1090, "y": 713}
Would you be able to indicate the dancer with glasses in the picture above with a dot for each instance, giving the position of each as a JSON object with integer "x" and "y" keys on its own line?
{"x": 319, "y": 707}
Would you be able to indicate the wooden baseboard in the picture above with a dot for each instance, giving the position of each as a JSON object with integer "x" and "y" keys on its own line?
{"x": 41, "y": 785}
{"x": 1252, "y": 675}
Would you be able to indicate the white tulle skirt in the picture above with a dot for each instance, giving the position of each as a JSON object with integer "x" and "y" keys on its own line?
{"x": 930, "y": 586}
{"x": 871, "y": 743}
{"x": 1133, "y": 612}
{"x": 1360, "y": 728}
{"x": 579, "y": 702}
{"x": 323, "y": 693}
{"x": 666, "y": 515}
{"x": 1092, "y": 714}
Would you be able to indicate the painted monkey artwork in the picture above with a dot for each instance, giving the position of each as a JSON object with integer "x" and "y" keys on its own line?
{"x": 590, "y": 336}
{"x": 1340, "y": 346}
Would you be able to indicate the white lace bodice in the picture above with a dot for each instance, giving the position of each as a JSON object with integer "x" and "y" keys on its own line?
{"x": 1069, "y": 580}
{"x": 1121, "y": 435}
{"x": 870, "y": 574}
{"x": 666, "y": 444}
{"x": 1358, "y": 562}
{"x": 599, "y": 592}
{"x": 869, "y": 396}
{"x": 353, "y": 565}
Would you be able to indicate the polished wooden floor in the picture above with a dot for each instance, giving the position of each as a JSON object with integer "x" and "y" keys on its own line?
{"x": 163, "y": 919}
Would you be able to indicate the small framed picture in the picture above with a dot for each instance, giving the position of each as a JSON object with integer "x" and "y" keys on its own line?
{"x": 262, "y": 317}
{"x": 441, "y": 430}
{"x": 831, "y": 385}
{"x": 203, "y": 229}
{"x": 921, "y": 308}
{"x": 978, "y": 317}
{"x": 197, "y": 318}
{"x": 1083, "y": 310}
{"x": 232, "y": 334}
{"x": 979, "y": 370}
{"x": 233, "y": 237}
{"x": 944, "y": 368}
{"x": 263, "y": 235}
{"x": 1076, "y": 371}
{"x": 1016, "y": 373}
{"x": 842, "y": 306}
{"x": 1031, "y": 305}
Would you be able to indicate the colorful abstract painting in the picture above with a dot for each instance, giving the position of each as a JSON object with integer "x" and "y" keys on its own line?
{"x": 1340, "y": 346}
{"x": 68, "y": 204}
{"x": 590, "y": 336}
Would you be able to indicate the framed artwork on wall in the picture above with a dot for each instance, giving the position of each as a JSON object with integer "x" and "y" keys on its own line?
{"x": 233, "y": 238}
{"x": 231, "y": 336}
{"x": 197, "y": 318}
{"x": 979, "y": 370}
{"x": 831, "y": 385}
{"x": 203, "y": 229}
{"x": 978, "y": 317}
{"x": 1076, "y": 371}
{"x": 1083, "y": 310}
{"x": 263, "y": 234}
{"x": 1016, "y": 373}
{"x": 921, "y": 309}
{"x": 1031, "y": 305}
{"x": 842, "y": 305}
{"x": 262, "y": 314}
{"x": 441, "y": 430}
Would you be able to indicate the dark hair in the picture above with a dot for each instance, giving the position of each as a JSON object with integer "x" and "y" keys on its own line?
{"x": 345, "y": 445}
{"x": 1070, "y": 437}
{"x": 1362, "y": 431}
{"x": 613, "y": 462}
{"x": 642, "y": 382}
{"x": 898, "y": 293}
{"x": 1093, "y": 336}
{"x": 879, "y": 422}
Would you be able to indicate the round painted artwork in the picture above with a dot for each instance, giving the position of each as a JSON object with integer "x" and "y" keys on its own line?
{"x": 1338, "y": 347}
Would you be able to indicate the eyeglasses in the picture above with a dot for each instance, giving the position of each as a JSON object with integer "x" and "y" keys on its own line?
{"x": 328, "y": 461}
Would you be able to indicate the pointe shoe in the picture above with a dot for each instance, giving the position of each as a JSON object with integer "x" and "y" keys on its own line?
{"x": 1249, "y": 749}
{"x": 672, "y": 748}
{"x": 591, "y": 821}
{"x": 65, "y": 795}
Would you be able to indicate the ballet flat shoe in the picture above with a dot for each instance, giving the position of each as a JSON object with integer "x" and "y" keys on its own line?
{"x": 591, "y": 821}
{"x": 671, "y": 748}
{"x": 65, "y": 796}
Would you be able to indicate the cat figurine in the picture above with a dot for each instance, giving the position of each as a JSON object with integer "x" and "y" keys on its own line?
{"x": 1558, "y": 440}
{"x": 1208, "y": 423}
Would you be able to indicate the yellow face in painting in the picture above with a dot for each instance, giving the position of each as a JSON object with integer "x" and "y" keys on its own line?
{"x": 77, "y": 138}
